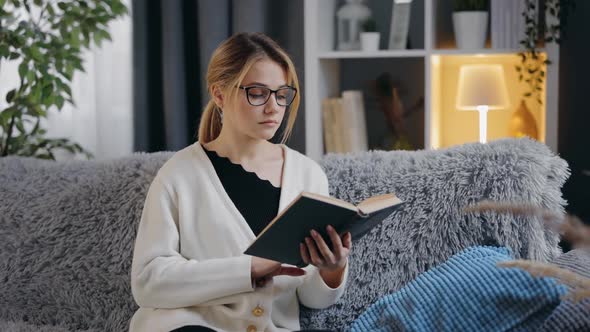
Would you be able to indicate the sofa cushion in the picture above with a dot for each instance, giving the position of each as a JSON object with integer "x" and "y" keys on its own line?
{"x": 66, "y": 239}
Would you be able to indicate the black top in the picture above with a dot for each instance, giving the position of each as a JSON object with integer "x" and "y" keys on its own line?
{"x": 256, "y": 199}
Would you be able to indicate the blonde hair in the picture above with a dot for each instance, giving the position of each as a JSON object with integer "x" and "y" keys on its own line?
{"x": 229, "y": 64}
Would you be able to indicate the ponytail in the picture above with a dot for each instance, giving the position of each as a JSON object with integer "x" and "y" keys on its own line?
{"x": 210, "y": 125}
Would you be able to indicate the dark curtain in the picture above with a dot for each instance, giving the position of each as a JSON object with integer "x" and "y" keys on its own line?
{"x": 574, "y": 136}
{"x": 173, "y": 42}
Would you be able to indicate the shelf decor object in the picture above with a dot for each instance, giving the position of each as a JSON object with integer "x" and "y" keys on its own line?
{"x": 370, "y": 36}
{"x": 400, "y": 24}
{"x": 522, "y": 123}
{"x": 349, "y": 20}
{"x": 470, "y": 22}
{"x": 482, "y": 88}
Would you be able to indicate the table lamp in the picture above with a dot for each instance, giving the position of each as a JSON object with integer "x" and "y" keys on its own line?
{"x": 482, "y": 88}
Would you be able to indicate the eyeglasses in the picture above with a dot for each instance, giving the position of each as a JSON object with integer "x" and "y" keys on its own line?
{"x": 259, "y": 95}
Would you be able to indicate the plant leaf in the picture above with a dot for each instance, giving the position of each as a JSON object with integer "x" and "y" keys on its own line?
{"x": 10, "y": 95}
{"x": 22, "y": 70}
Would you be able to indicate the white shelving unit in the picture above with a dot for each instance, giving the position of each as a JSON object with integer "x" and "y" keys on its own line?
{"x": 328, "y": 72}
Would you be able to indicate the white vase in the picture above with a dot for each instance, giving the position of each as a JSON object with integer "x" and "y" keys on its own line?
{"x": 470, "y": 29}
{"x": 370, "y": 41}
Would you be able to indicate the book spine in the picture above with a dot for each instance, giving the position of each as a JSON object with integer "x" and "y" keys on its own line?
{"x": 338, "y": 125}
{"x": 400, "y": 23}
{"x": 327, "y": 126}
{"x": 353, "y": 99}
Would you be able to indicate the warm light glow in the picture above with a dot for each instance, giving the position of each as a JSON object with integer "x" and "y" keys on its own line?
{"x": 482, "y": 85}
{"x": 482, "y": 88}
{"x": 447, "y": 126}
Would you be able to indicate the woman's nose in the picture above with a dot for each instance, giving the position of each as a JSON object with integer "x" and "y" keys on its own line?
{"x": 272, "y": 104}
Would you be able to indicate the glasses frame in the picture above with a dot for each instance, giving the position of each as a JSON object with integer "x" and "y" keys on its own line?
{"x": 247, "y": 89}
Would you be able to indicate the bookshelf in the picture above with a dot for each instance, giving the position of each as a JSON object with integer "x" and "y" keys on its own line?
{"x": 428, "y": 70}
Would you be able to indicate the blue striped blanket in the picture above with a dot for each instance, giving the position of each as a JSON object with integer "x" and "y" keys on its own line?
{"x": 466, "y": 293}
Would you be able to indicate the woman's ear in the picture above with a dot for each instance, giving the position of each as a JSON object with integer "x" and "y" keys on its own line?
{"x": 217, "y": 96}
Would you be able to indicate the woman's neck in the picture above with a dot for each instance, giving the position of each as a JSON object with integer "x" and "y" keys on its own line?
{"x": 242, "y": 150}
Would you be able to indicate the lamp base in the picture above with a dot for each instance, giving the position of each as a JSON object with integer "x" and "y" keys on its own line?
{"x": 483, "y": 123}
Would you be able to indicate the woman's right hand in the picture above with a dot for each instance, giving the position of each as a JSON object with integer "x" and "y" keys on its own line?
{"x": 263, "y": 270}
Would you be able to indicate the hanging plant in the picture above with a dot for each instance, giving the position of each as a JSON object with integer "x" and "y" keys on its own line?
{"x": 47, "y": 38}
{"x": 532, "y": 67}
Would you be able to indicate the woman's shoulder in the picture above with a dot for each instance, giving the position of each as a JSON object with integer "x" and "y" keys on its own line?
{"x": 304, "y": 163}
{"x": 183, "y": 162}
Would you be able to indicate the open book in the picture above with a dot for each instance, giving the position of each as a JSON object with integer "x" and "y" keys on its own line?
{"x": 280, "y": 239}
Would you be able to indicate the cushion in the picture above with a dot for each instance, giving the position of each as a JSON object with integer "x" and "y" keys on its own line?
{"x": 571, "y": 316}
{"x": 466, "y": 293}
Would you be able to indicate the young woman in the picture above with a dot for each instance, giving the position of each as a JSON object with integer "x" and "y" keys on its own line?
{"x": 211, "y": 199}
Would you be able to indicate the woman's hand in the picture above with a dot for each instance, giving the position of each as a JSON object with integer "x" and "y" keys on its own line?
{"x": 316, "y": 251}
{"x": 263, "y": 270}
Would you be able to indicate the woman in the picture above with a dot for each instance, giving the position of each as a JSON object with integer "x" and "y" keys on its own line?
{"x": 211, "y": 199}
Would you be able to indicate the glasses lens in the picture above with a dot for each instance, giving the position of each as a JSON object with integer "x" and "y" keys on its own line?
{"x": 258, "y": 95}
{"x": 285, "y": 96}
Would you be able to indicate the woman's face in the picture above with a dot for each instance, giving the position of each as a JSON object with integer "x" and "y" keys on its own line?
{"x": 259, "y": 121}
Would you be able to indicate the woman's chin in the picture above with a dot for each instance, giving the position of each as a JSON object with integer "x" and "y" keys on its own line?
{"x": 266, "y": 134}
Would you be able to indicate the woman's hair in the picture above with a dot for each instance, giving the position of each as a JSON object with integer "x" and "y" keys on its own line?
{"x": 229, "y": 64}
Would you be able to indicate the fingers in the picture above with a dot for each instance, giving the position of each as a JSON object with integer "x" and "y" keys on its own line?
{"x": 314, "y": 256}
{"x": 304, "y": 253}
{"x": 336, "y": 242}
{"x": 281, "y": 271}
{"x": 314, "y": 253}
{"x": 347, "y": 241}
{"x": 326, "y": 254}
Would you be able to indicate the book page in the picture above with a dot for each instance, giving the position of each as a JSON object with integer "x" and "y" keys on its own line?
{"x": 377, "y": 203}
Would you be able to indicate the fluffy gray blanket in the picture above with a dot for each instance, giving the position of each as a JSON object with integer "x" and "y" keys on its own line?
{"x": 67, "y": 229}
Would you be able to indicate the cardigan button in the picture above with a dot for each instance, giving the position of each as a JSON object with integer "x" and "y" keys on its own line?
{"x": 258, "y": 311}
{"x": 251, "y": 328}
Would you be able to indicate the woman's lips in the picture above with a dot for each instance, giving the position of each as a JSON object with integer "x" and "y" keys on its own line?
{"x": 269, "y": 123}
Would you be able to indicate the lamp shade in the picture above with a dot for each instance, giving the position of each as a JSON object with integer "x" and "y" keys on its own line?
{"x": 482, "y": 85}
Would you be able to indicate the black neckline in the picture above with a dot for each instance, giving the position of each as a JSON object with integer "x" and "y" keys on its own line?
{"x": 227, "y": 161}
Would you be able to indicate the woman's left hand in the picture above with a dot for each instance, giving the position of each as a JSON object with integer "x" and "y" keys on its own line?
{"x": 316, "y": 251}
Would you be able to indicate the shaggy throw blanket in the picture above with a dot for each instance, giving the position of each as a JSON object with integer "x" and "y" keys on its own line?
{"x": 67, "y": 229}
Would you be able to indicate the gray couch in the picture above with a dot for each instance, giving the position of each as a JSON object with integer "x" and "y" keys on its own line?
{"x": 67, "y": 229}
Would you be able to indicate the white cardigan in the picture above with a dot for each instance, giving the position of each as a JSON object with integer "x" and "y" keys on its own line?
{"x": 188, "y": 262}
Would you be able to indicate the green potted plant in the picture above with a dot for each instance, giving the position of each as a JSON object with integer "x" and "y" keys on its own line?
{"x": 532, "y": 67}
{"x": 470, "y": 22}
{"x": 46, "y": 39}
{"x": 369, "y": 35}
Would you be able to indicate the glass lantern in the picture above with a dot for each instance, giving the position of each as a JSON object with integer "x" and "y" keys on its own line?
{"x": 349, "y": 21}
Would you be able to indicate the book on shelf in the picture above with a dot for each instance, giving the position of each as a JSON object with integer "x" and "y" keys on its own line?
{"x": 354, "y": 109}
{"x": 344, "y": 123}
{"x": 341, "y": 144}
{"x": 280, "y": 240}
{"x": 400, "y": 24}
{"x": 328, "y": 124}
{"x": 333, "y": 140}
